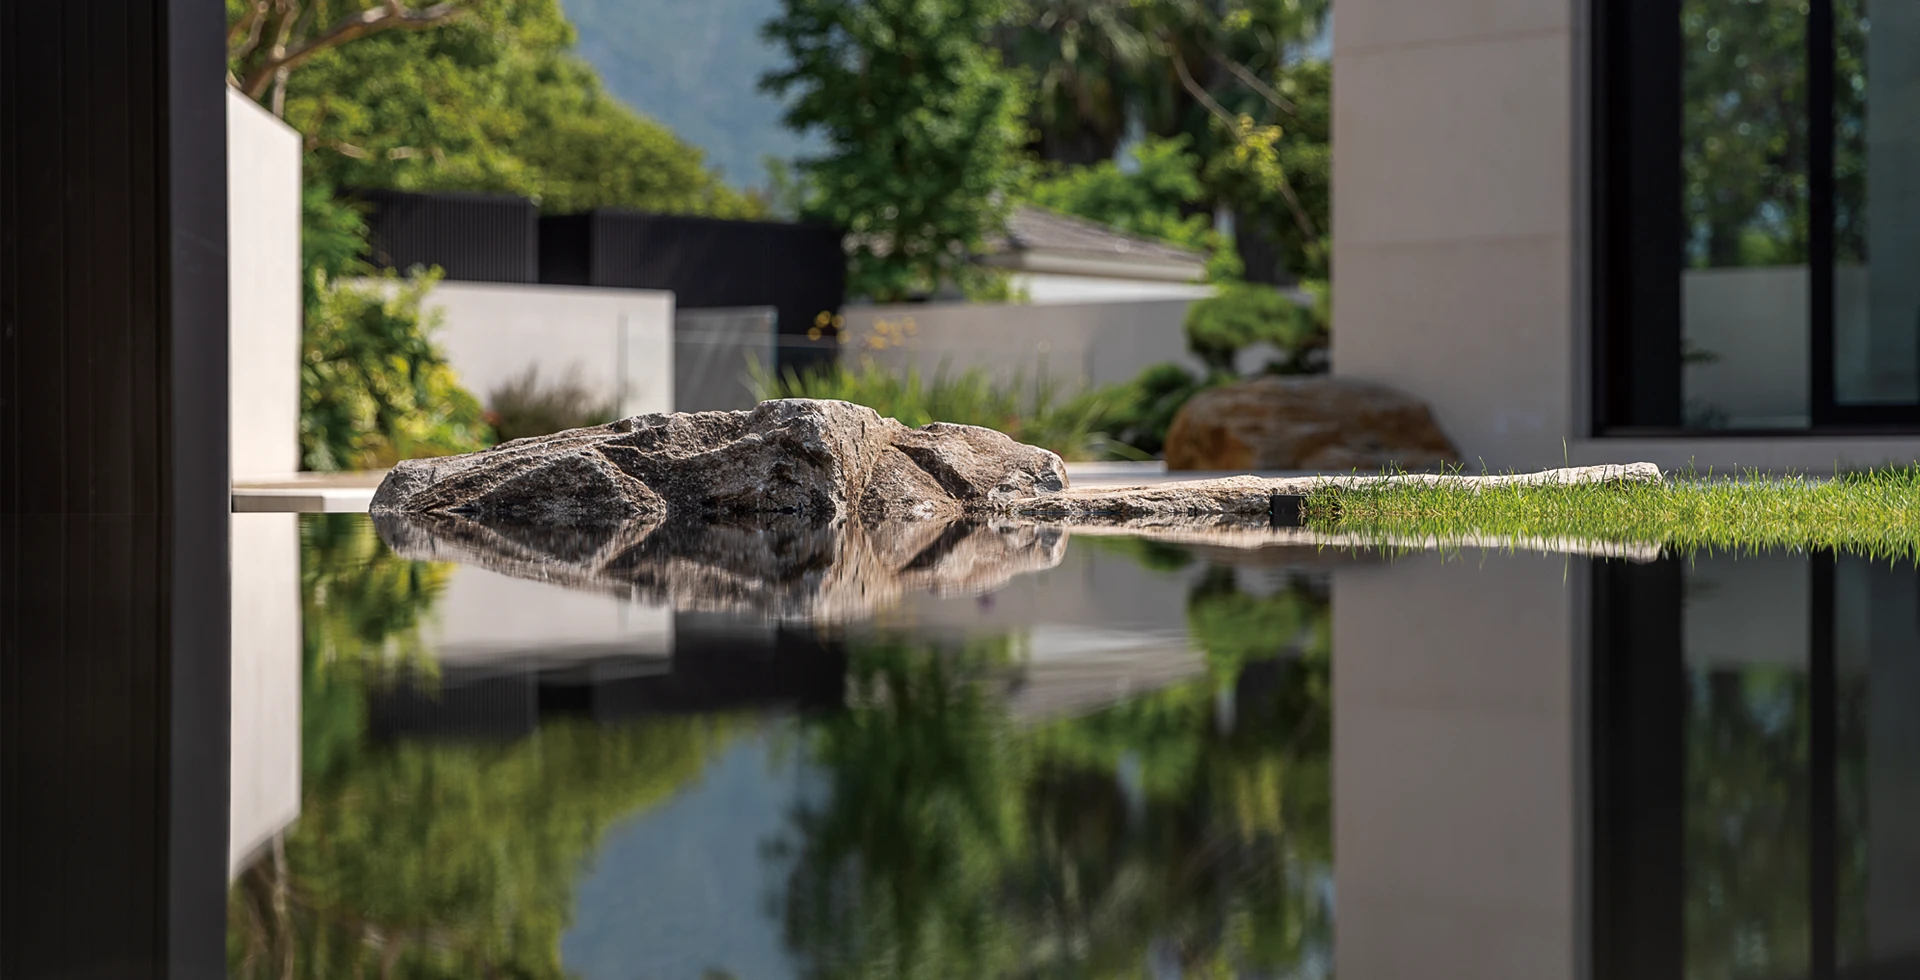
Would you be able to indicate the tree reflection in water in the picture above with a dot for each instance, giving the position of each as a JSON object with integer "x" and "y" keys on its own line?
{"x": 1747, "y": 821}
{"x": 430, "y": 859}
{"x": 1186, "y": 828}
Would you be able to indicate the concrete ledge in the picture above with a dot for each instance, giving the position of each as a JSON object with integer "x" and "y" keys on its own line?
{"x": 316, "y": 500}
{"x": 1812, "y": 455}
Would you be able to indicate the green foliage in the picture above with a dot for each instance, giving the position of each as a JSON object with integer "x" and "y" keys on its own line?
{"x": 1239, "y": 316}
{"x": 1279, "y": 177}
{"x": 897, "y": 869}
{"x": 1087, "y": 58}
{"x": 590, "y": 151}
{"x": 362, "y": 612}
{"x": 948, "y": 837}
{"x": 1150, "y": 554}
{"x": 1154, "y": 199}
{"x": 959, "y": 841}
{"x": 363, "y": 606}
{"x": 437, "y": 860}
{"x": 1873, "y": 513}
{"x": 1036, "y": 412}
{"x": 1236, "y": 629}
{"x": 426, "y": 859}
{"x": 374, "y": 388}
{"x": 526, "y": 407}
{"x": 1744, "y": 152}
{"x": 1747, "y": 730}
{"x": 1258, "y": 121}
{"x": 1140, "y": 411}
{"x": 493, "y": 102}
{"x": 333, "y": 242}
{"x": 923, "y": 129}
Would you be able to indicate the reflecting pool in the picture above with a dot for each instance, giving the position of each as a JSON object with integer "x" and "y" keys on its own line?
{"x": 999, "y": 751}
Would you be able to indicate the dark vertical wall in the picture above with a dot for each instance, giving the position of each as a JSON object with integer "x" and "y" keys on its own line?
{"x": 113, "y": 489}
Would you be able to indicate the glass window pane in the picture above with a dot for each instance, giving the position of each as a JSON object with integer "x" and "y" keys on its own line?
{"x": 1745, "y": 290}
{"x": 1746, "y": 628}
{"x": 1877, "y": 202}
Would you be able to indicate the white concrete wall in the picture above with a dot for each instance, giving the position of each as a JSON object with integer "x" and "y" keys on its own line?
{"x": 264, "y": 754}
{"x": 1454, "y": 214}
{"x": 1457, "y": 734}
{"x": 263, "y": 291}
{"x": 1053, "y": 287}
{"x": 1072, "y": 343}
{"x": 619, "y": 341}
{"x": 484, "y": 616}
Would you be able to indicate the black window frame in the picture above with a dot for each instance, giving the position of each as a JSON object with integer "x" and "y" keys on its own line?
{"x": 1634, "y": 200}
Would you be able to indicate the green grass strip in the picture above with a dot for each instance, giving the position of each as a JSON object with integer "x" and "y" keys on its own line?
{"x": 1874, "y": 513}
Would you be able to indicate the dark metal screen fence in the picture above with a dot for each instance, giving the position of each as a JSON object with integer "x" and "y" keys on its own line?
{"x": 473, "y": 237}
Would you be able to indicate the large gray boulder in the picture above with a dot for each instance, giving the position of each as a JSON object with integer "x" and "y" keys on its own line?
{"x": 820, "y": 462}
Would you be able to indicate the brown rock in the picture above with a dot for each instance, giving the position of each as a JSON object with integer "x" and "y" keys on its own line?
{"x": 820, "y": 461}
{"x": 1305, "y": 423}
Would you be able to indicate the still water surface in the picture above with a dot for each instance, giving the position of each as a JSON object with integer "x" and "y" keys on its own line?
{"x": 1130, "y": 758}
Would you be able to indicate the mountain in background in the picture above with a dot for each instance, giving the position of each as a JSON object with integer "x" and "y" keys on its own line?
{"x": 695, "y": 66}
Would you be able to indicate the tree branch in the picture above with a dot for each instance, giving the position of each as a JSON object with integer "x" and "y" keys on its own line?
{"x": 1300, "y": 217}
{"x": 247, "y": 27}
{"x": 367, "y": 22}
{"x": 1200, "y": 94}
{"x": 1253, "y": 81}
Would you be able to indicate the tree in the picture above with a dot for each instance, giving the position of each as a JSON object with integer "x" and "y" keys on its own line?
{"x": 268, "y": 39}
{"x": 956, "y": 840}
{"x": 923, "y": 126}
{"x": 588, "y": 150}
{"x": 490, "y": 99}
{"x": 1239, "y": 316}
{"x": 1225, "y": 75}
{"x": 485, "y": 96}
{"x": 1279, "y": 179}
{"x": 1087, "y": 58}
